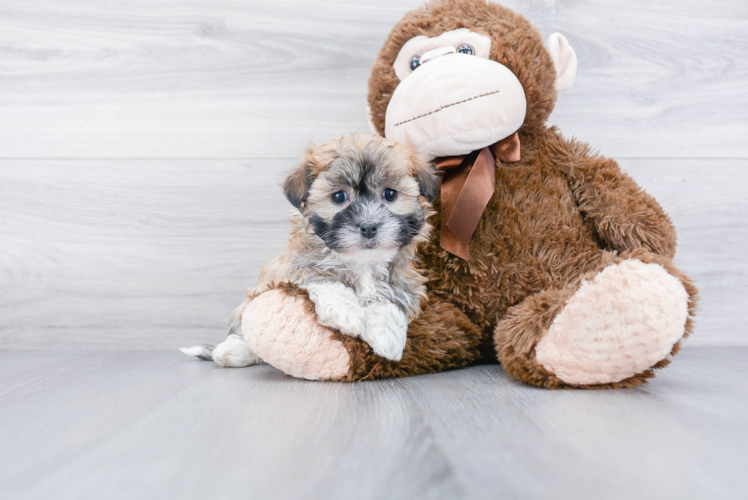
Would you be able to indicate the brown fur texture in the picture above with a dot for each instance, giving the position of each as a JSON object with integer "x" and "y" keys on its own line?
{"x": 534, "y": 234}
{"x": 442, "y": 338}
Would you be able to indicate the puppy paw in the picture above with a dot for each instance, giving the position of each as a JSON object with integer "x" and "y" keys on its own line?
{"x": 235, "y": 352}
{"x": 385, "y": 330}
{"x": 337, "y": 307}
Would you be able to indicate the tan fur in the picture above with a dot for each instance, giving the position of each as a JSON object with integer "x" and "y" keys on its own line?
{"x": 306, "y": 257}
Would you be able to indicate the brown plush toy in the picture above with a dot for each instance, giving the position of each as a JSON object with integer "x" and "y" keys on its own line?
{"x": 545, "y": 256}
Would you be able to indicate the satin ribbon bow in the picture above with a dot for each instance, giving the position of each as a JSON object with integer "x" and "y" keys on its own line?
{"x": 468, "y": 184}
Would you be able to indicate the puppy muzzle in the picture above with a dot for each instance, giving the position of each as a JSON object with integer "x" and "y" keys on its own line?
{"x": 454, "y": 104}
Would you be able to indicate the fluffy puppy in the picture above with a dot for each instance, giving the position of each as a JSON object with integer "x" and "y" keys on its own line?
{"x": 361, "y": 209}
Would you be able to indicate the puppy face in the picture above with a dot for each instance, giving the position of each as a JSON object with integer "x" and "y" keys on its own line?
{"x": 364, "y": 196}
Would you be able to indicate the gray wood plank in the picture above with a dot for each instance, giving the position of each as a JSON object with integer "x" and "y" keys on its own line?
{"x": 119, "y": 425}
{"x": 238, "y": 433}
{"x": 708, "y": 380}
{"x": 515, "y": 442}
{"x": 155, "y": 254}
{"x": 199, "y": 78}
{"x": 70, "y": 401}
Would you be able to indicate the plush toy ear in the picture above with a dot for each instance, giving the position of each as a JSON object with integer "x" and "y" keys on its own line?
{"x": 297, "y": 184}
{"x": 564, "y": 59}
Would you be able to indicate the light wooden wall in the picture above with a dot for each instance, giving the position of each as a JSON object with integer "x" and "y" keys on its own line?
{"x": 142, "y": 144}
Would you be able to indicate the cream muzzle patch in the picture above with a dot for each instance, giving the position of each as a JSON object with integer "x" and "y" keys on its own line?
{"x": 456, "y": 101}
{"x": 447, "y": 106}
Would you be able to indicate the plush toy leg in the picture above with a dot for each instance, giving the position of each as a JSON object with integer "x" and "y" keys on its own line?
{"x": 281, "y": 327}
{"x": 609, "y": 329}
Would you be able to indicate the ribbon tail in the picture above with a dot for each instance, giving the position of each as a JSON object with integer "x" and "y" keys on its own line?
{"x": 465, "y": 196}
{"x": 451, "y": 244}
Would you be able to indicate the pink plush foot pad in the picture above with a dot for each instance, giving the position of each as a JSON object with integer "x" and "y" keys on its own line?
{"x": 281, "y": 330}
{"x": 616, "y": 325}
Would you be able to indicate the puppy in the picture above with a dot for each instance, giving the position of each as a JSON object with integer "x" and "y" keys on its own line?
{"x": 361, "y": 209}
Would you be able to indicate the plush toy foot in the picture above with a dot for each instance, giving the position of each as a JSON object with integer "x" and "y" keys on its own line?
{"x": 609, "y": 329}
{"x": 281, "y": 327}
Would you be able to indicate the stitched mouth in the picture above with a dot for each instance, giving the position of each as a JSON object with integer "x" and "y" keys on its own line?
{"x": 446, "y": 106}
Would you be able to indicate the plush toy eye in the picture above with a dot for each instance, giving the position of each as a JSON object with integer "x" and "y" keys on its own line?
{"x": 466, "y": 49}
{"x": 415, "y": 62}
{"x": 339, "y": 197}
{"x": 389, "y": 194}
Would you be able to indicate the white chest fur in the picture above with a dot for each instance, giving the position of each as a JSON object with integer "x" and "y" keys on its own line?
{"x": 367, "y": 284}
{"x": 363, "y": 312}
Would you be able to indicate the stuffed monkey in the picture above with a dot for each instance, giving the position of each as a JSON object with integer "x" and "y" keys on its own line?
{"x": 546, "y": 256}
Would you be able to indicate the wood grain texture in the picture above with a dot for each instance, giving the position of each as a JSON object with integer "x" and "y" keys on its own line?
{"x": 235, "y": 78}
{"x": 155, "y": 254}
{"x": 125, "y": 424}
{"x": 136, "y": 249}
{"x": 54, "y": 406}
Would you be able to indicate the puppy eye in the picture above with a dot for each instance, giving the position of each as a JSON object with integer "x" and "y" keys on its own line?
{"x": 389, "y": 194}
{"x": 415, "y": 62}
{"x": 466, "y": 49}
{"x": 339, "y": 197}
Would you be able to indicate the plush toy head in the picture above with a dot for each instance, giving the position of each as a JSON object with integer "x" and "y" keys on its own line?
{"x": 456, "y": 76}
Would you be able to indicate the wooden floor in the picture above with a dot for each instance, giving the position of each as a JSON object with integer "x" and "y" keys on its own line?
{"x": 142, "y": 425}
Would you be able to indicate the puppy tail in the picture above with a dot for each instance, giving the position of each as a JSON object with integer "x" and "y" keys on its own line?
{"x": 233, "y": 351}
{"x": 204, "y": 352}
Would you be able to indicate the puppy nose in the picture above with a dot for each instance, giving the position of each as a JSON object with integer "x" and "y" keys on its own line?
{"x": 368, "y": 229}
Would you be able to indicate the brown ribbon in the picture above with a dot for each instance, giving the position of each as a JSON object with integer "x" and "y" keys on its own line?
{"x": 468, "y": 184}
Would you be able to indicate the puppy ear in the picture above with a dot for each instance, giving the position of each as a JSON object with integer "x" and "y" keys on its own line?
{"x": 297, "y": 184}
{"x": 428, "y": 181}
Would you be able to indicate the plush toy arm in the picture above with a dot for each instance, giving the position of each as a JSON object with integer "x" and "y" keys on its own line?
{"x": 625, "y": 217}
{"x": 282, "y": 328}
